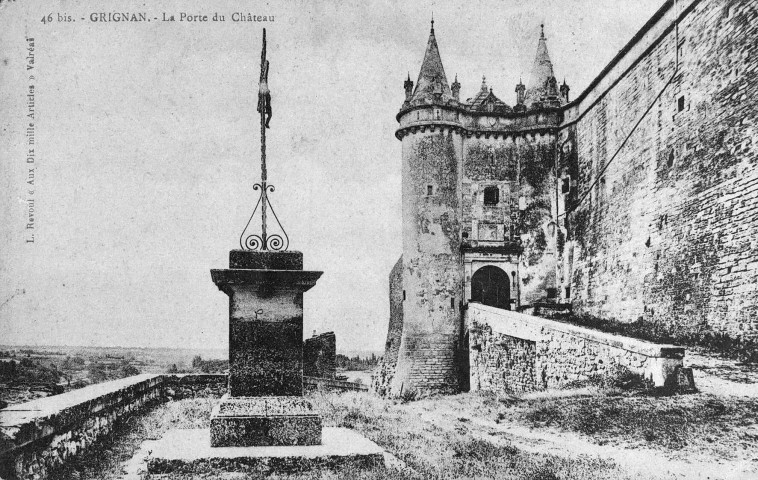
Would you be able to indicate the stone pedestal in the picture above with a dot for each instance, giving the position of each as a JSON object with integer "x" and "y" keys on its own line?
{"x": 263, "y": 425}
{"x": 264, "y": 421}
{"x": 265, "y": 406}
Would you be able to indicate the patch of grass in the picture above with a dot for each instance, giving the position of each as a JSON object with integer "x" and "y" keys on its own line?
{"x": 618, "y": 379}
{"x": 667, "y": 422}
{"x": 431, "y": 443}
{"x": 104, "y": 459}
{"x": 438, "y": 448}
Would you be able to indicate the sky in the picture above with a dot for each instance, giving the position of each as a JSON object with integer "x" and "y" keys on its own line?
{"x": 147, "y": 147}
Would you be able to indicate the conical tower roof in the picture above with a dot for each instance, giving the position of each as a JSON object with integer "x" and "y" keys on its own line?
{"x": 542, "y": 71}
{"x": 431, "y": 78}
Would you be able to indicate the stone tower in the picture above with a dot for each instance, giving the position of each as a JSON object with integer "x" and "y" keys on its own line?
{"x": 477, "y": 201}
{"x": 431, "y": 277}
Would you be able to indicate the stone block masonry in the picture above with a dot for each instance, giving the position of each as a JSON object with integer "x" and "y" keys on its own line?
{"x": 512, "y": 352}
{"x": 38, "y": 437}
{"x": 320, "y": 356}
{"x": 381, "y": 378}
{"x": 669, "y": 232}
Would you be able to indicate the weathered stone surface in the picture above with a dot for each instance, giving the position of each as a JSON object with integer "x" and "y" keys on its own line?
{"x": 37, "y": 437}
{"x": 381, "y": 377}
{"x": 512, "y": 352}
{"x": 265, "y": 358}
{"x": 668, "y": 233}
{"x": 246, "y": 259}
{"x": 320, "y": 356}
{"x": 260, "y": 421}
{"x": 256, "y": 431}
{"x": 185, "y": 452}
{"x": 265, "y": 322}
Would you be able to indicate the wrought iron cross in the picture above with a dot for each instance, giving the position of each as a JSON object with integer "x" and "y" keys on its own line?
{"x": 266, "y": 240}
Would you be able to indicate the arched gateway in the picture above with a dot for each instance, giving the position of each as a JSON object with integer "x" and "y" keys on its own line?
{"x": 490, "y": 286}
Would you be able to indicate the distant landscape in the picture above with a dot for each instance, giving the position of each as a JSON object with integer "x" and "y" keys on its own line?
{"x": 29, "y": 372}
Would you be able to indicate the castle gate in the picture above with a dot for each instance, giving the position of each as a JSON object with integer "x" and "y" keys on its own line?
{"x": 490, "y": 286}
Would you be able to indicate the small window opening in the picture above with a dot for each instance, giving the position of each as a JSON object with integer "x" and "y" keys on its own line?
{"x": 568, "y": 292}
{"x": 403, "y": 294}
{"x": 680, "y": 103}
{"x": 491, "y": 196}
{"x": 671, "y": 158}
{"x": 566, "y": 185}
{"x": 437, "y": 115}
{"x": 452, "y": 303}
{"x": 430, "y": 190}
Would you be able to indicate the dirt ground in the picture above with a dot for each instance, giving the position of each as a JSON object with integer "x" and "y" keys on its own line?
{"x": 588, "y": 432}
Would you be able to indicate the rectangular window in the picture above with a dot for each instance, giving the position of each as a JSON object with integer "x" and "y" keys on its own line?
{"x": 430, "y": 190}
{"x": 491, "y": 196}
{"x": 566, "y": 185}
{"x": 452, "y": 303}
{"x": 403, "y": 294}
{"x": 680, "y": 103}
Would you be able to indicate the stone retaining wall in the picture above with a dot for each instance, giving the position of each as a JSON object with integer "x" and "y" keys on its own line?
{"x": 320, "y": 355}
{"x": 39, "y": 436}
{"x": 512, "y": 352}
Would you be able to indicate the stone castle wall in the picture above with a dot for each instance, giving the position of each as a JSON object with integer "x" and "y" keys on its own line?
{"x": 395, "y": 330}
{"x": 669, "y": 232}
{"x": 518, "y": 165}
{"x": 381, "y": 377}
{"x": 320, "y": 356}
{"x": 512, "y": 352}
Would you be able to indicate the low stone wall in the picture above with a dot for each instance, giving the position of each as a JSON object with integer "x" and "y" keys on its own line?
{"x": 212, "y": 385}
{"x": 39, "y": 436}
{"x": 512, "y": 352}
{"x": 333, "y": 384}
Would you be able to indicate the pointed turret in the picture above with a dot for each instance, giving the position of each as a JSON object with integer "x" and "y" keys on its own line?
{"x": 520, "y": 89}
{"x": 431, "y": 79}
{"x": 542, "y": 86}
{"x": 456, "y": 88}
{"x": 408, "y": 85}
{"x": 565, "y": 91}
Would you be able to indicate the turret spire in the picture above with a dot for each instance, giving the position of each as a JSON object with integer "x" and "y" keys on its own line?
{"x": 542, "y": 76}
{"x": 431, "y": 78}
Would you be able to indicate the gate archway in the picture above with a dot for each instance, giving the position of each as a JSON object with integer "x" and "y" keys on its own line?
{"x": 490, "y": 286}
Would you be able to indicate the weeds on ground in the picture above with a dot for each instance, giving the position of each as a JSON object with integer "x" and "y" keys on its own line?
{"x": 104, "y": 459}
{"x": 443, "y": 449}
{"x": 430, "y": 447}
{"x": 667, "y": 422}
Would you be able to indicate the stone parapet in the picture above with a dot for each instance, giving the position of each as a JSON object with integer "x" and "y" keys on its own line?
{"x": 39, "y": 436}
{"x": 512, "y": 352}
